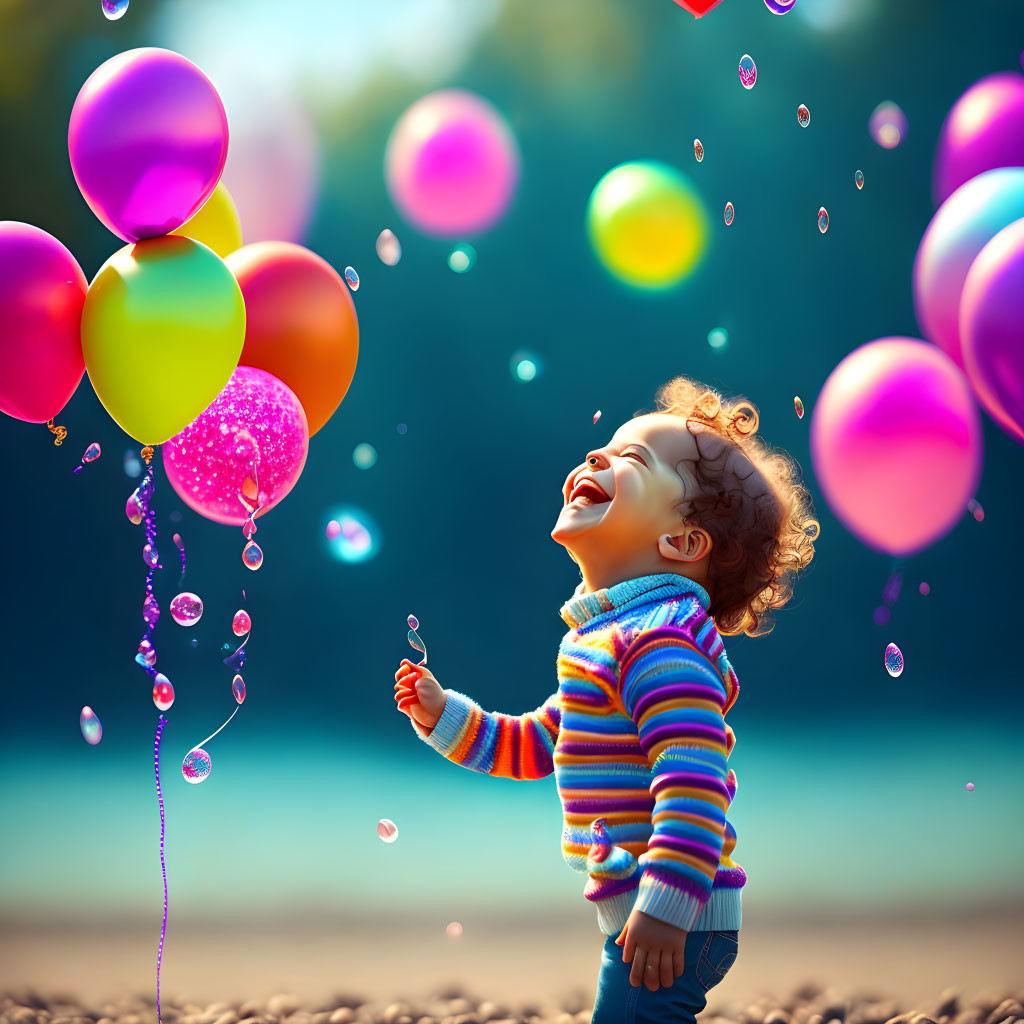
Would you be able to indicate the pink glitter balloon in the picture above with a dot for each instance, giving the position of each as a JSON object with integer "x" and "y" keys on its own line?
{"x": 984, "y": 129}
{"x": 148, "y": 140}
{"x": 896, "y": 444}
{"x": 254, "y": 430}
{"x": 452, "y": 164}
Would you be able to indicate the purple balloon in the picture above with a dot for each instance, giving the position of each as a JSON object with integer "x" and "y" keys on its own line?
{"x": 896, "y": 443}
{"x": 148, "y": 140}
{"x": 963, "y": 225}
{"x": 983, "y": 130}
{"x": 991, "y": 315}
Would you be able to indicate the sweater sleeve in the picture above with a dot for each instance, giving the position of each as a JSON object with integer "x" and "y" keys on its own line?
{"x": 677, "y": 699}
{"x": 507, "y": 746}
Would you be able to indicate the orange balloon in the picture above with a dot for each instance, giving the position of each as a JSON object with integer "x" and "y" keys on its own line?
{"x": 300, "y": 323}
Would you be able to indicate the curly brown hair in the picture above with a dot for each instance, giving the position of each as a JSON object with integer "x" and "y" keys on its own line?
{"x": 752, "y": 502}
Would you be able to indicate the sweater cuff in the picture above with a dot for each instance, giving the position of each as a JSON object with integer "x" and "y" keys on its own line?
{"x": 445, "y": 736}
{"x": 669, "y": 904}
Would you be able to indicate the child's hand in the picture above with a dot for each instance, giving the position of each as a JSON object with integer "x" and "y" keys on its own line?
{"x": 419, "y": 695}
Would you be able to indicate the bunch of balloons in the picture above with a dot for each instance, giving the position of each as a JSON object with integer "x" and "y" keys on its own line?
{"x": 230, "y": 356}
{"x": 969, "y": 270}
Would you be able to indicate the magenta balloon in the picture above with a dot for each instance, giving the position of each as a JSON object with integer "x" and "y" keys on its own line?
{"x": 957, "y": 233}
{"x": 148, "y": 140}
{"x": 452, "y": 164}
{"x": 896, "y": 443}
{"x": 983, "y": 130}
{"x": 42, "y": 291}
{"x": 992, "y": 326}
{"x": 257, "y": 420}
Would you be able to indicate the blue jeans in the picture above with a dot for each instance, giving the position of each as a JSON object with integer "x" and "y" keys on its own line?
{"x": 707, "y": 957}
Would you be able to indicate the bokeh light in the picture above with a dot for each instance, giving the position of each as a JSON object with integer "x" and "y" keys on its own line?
{"x": 718, "y": 337}
{"x": 887, "y": 124}
{"x": 462, "y": 258}
{"x": 364, "y": 455}
{"x": 525, "y": 365}
{"x": 359, "y": 537}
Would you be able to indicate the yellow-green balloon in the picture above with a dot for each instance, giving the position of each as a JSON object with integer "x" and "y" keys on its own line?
{"x": 162, "y": 332}
{"x": 647, "y": 224}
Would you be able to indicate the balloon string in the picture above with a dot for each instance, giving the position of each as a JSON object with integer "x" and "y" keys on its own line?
{"x": 59, "y": 432}
{"x": 210, "y": 737}
{"x": 151, "y": 541}
{"x": 163, "y": 865}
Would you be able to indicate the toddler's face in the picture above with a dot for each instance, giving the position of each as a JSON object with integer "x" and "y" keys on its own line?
{"x": 623, "y": 497}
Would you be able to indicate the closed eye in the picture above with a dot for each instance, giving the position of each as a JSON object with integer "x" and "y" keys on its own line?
{"x": 635, "y": 456}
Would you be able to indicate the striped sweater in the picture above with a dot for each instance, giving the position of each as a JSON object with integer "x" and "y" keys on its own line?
{"x": 636, "y": 737}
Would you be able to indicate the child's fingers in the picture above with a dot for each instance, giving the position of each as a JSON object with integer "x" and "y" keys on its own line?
{"x": 408, "y": 670}
{"x": 407, "y": 701}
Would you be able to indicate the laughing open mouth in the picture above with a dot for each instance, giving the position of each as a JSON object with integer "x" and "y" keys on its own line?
{"x": 588, "y": 491}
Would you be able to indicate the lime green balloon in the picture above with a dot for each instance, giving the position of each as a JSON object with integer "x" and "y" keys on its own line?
{"x": 162, "y": 332}
{"x": 647, "y": 224}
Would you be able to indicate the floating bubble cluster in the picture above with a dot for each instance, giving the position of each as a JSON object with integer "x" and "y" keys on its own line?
{"x": 729, "y": 215}
{"x": 89, "y": 723}
{"x": 387, "y": 830}
{"x": 748, "y": 71}
{"x": 893, "y": 660}
{"x": 389, "y": 249}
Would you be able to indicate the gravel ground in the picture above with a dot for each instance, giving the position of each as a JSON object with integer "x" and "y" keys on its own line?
{"x": 807, "y": 1004}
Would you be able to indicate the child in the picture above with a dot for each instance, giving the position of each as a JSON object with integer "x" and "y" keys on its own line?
{"x": 685, "y": 527}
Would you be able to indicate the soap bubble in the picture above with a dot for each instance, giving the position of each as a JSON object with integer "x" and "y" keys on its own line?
{"x": 729, "y": 214}
{"x": 113, "y": 9}
{"x": 803, "y": 116}
{"x": 196, "y": 766}
{"x": 970, "y": 786}
{"x": 333, "y": 529}
{"x": 89, "y": 723}
{"x": 241, "y": 623}
{"x": 402, "y": 428}
{"x": 748, "y": 71}
{"x": 238, "y": 688}
{"x": 364, "y": 455}
{"x": 387, "y": 830}
{"x": 799, "y": 407}
{"x": 924, "y": 589}
{"x": 163, "y": 692}
{"x": 352, "y": 278}
{"x": 698, "y": 150}
{"x": 822, "y": 220}
{"x": 187, "y": 609}
{"x": 252, "y": 555}
{"x": 389, "y": 249}
{"x": 888, "y": 125}
{"x": 893, "y": 660}
{"x": 858, "y": 177}
{"x": 454, "y": 930}
{"x": 414, "y": 623}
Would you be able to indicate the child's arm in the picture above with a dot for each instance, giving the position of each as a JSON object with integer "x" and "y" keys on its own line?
{"x": 507, "y": 746}
{"x": 677, "y": 699}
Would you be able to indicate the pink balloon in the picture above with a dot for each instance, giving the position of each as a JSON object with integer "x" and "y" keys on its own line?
{"x": 254, "y": 432}
{"x": 957, "y": 233}
{"x": 452, "y": 164}
{"x": 148, "y": 140}
{"x": 992, "y": 327}
{"x": 984, "y": 129}
{"x": 42, "y": 291}
{"x": 896, "y": 444}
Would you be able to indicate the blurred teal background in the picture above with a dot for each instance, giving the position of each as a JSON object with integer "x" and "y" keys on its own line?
{"x": 851, "y": 789}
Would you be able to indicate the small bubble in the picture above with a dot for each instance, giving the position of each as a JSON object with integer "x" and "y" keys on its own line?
{"x": 974, "y": 507}
{"x": 799, "y": 407}
{"x": 352, "y": 278}
{"x": 401, "y": 428}
{"x": 89, "y": 723}
{"x": 822, "y": 220}
{"x": 597, "y": 415}
{"x": 729, "y": 214}
{"x": 91, "y": 453}
{"x": 462, "y": 258}
{"x": 858, "y": 177}
{"x": 887, "y": 125}
{"x": 194, "y": 642}
{"x": 414, "y": 623}
{"x": 803, "y": 116}
{"x": 718, "y": 337}
{"x": 187, "y": 609}
{"x": 113, "y": 9}
{"x": 163, "y": 692}
{"x": 364, "y": 455}
{"x": 970, "y": 787}
{"x": 698, "y": 150}
{"x": 252, "y": 555}
{"x": 241, "y": 623}
{"x": 924, "y": 589}
{"x": 196, "y": 766}
{"x": 238, "y": 688}
{"x": 454, "y": 930}
{"x": 150, "y": 556}
{"x": 389, "y": 249}
{"x": 387, "y": 830}
{"x": 893, "y": 660}
{"x": 748, "y": 71}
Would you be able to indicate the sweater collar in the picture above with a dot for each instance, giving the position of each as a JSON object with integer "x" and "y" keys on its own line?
{"x": 580, "y": 608}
